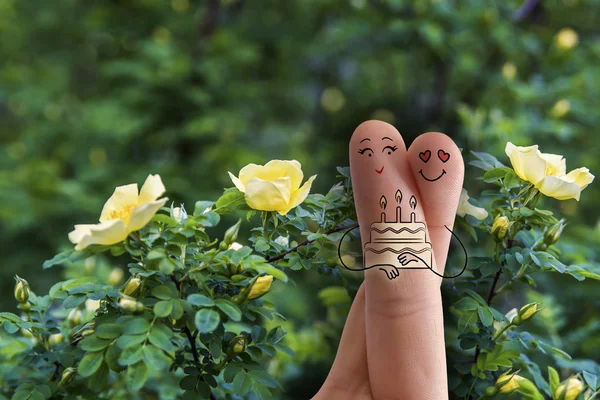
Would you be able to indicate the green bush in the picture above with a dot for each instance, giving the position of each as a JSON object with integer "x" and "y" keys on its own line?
{"x": 192, "y": 304}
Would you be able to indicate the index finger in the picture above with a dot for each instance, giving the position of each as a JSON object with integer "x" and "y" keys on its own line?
{"x": 404, "y": 324}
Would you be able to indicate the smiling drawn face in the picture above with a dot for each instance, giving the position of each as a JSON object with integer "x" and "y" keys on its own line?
{"x": 378, "y": 149}
{"x": 430, "y": 174}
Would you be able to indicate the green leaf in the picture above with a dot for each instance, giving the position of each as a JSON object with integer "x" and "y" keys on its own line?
{"x": 177, "y": 311}
{"x": 271, "y": 270}
{"x": 242, "y": 383}
{"x": 111, "y": 357}
{"x": 165, "y": 292}
{"x": 466, "y": 304}
{"x": 264, "y": 378}
{"x": 130, "y": 340}
{"x": 137, "y": 375}
{"x": 136, "y": 326}
{"x": 485, "y": 161}
{"x": 188, "y": 382}
{"x": 208, "y": 219}
{"x": 165, "y": 219}
{"x": 154, "y": 357}
{"x": 526, "y": 212}
{"x": 131, "y": 355}
{"x": 496, "y": 174}
{"x": 93, "y": 343}
{"x": 485, "y": 316}
{"x": 160, "y": 336}
{"x": 200, "y": 300}
{"x": 230, "y": 200}
{"x": 476, "y": 296}
{"x": 591, "y": 380}
{"x": 229, "y": 308}
{"x": 163, "y": 308}
{"x": 90, "y": 363}
{"x": 57, "y": 259}
{"x": 261, "y": 245}
{"x": 156, "y": 254}
{"x": 553, "y": 378}
{"x": 200, "y": 206}
{"x": 261, "y": 392}
{"x": 108, "y": 331}
{"x": 207, "y": 320}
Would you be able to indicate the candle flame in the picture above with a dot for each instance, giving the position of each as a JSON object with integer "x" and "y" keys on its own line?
{"x": 398, "y": 196}
{"x": 413, "y": 202}
{"x": 383, "y": 202}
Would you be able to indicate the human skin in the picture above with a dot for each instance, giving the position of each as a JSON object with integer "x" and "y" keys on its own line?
{"x": 392, "y": 346}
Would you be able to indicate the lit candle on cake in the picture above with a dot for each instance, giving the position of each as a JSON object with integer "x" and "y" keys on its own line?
{"x": 383, "y": 204}
{"x": 413, "y": 205}
{"x": 398, "y": 209}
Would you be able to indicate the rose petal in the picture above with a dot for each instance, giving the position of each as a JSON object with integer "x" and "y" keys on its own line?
{"x": 559, "y": 188}
{"x": 123, "y": 197}
{"x": 238, "y": 184}
{"x": 268, "y": 195}
{"x": 581, "y": 177}
{"x": 105, "y": 233}
{"x": 527, "y": 162}
{"x": 291, "y": 168}
{"x": 555, "y": 164}
{"x": 143, "y": 213}
{"x": 299, "y": 195}
{"x": 151, "y": 189}
{"x": 80, "y": 231}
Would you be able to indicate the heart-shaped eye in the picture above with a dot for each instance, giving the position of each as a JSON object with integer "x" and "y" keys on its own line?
{"x": 443, "y": 155}
{"x": 425, "y": 155}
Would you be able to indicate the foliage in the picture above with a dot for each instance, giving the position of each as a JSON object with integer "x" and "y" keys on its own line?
{"x": 96, "y": 93}
{"x": 190, "y": 307}
{"x": 487, "y": 342}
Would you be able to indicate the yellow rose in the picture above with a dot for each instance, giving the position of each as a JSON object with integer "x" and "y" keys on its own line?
{"x": 126, "y": 211}
{"x": 260, "y": 287}
{"x": 571, "y": 388}
{"x": 274, "y": 186}
{"x": 508, "y": 384}
{"x": 547, "y": 172}
{"x": 464, "y": 207}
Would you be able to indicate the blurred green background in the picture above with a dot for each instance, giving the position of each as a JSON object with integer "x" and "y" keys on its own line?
{"x": 95, "y": 94}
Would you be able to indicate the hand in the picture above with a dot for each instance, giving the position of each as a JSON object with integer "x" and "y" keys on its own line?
{"x": 392, "y": 346}
{"x": 390, "y": 271}
{"x": 408, "y": 257}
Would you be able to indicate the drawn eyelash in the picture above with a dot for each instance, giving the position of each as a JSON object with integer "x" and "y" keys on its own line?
{"x": 390, "y": 149}
{"x": 362, "y": 151}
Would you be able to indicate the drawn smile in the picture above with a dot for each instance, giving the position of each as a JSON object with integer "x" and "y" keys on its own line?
{"x": 432, "y": 180}
{"x": 379, "y": 171}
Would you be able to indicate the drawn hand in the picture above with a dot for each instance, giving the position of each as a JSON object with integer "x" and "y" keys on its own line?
{"x": 408, "y": 257}
{"x": 377, "y": 358}
{"x": 390, "y": 271}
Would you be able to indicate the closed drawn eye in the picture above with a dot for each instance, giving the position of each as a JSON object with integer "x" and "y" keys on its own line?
{"x": 362, "y": 151}
{"x": 390, "y": 149}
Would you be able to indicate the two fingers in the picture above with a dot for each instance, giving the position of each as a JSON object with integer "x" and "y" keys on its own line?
{"x": 404, "y": 200}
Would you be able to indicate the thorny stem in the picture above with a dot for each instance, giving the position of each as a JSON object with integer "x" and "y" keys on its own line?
{"x": 56, "y": 373}
{"x": 307, "y": 242}
{"x": 191, "y": 338}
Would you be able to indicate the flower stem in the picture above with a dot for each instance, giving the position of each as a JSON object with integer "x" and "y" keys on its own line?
{"x": 471, "y": 388}
{"x": 501, "y": 331}
{"x": 307, "y": 242}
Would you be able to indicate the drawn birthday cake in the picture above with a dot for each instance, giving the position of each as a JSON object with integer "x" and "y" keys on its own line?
{"x": 390, "y": 240}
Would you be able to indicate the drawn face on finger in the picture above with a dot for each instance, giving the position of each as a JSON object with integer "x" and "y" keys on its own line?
{"x": 377, "y": 151}
{"x": 432, "y": 166}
